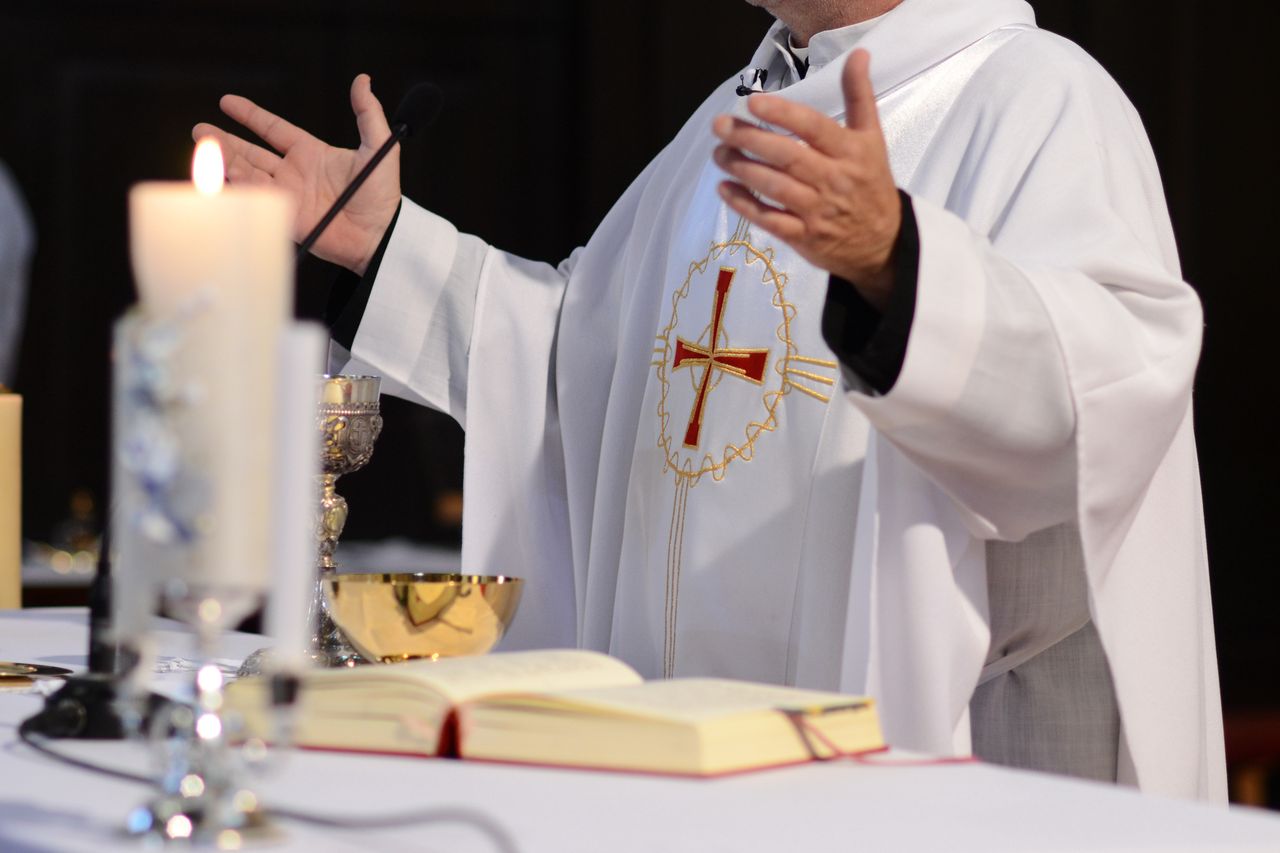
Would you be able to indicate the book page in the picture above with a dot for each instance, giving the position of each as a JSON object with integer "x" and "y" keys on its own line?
{"x": 463, "y": 679}
{"x": 690, "y": 700}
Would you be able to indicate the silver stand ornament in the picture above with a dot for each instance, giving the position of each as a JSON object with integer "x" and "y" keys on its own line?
{"x": 201, "y": 797}
{"x": 163, "y": 491}
{"x": 350, "y": 422}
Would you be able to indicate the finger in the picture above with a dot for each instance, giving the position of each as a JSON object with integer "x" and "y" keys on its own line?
{"x": 278, "y": 133}
{"x": 260, "y": 178}
{"x": 777, "y": 150}
{"x": 233, "y": 146}
{"x": 822, "y": 132}
{"x": 238, "y": 156}
{"x": 371, "y": 119}
{"x": 241, "y": 171}
{"x": 859, "y": 96}
{"x": 780, "y": 223}
{"x": 766, "y": 180}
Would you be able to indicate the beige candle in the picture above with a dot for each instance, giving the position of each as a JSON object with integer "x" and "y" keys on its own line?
{"x": 10, "y": 499}
{"x": 217, "y": 263}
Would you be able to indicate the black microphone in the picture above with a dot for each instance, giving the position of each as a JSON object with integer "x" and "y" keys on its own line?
{"x": 759, "y": 76}
{"x": 417, "y": 111}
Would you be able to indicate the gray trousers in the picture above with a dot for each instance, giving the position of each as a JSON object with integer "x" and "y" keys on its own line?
{"x": 1056, "y": 712}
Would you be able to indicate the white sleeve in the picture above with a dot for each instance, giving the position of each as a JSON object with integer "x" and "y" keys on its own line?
{"x": 417, "y": 327}
{"x": 460, "y": 326}
{"x": 1054, "y": 343}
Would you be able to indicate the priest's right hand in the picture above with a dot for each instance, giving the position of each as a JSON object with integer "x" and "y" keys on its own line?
{"x": 314, "y": 173}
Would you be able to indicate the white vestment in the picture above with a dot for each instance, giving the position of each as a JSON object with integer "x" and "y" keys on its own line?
{"x": 660, "y": 440}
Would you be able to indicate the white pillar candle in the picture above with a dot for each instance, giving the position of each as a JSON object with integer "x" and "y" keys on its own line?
{"x": 10, "y": 500}
{"x": 302, "y": 354}
{"x": 217, "y": 264}
{"x": 138, "y": 563}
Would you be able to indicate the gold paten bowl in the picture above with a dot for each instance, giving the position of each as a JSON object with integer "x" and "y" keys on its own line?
{"x": 396, "y": 617}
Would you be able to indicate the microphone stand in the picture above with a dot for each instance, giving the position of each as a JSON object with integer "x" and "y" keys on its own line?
{"x": 417, "y": 110}
{"x": 398, "y": 132}
{"x": 85, "y": 707}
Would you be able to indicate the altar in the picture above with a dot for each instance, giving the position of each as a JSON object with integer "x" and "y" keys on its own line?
{"x": 46, "y": 805}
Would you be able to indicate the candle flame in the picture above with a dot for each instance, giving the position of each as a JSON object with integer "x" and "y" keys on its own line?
{"x": 207, "y": 170}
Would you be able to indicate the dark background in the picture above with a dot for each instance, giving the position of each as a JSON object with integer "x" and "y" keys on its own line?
{"x": 551, "y": 108}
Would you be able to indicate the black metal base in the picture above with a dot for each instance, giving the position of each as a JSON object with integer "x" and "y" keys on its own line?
{"x": 83, "y": 708}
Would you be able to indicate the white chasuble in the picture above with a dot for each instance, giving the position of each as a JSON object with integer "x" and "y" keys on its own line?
{"x": 717, "y": 497}
{"x": 660, "y": 441}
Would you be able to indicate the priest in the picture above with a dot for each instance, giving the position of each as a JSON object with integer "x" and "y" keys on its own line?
{"x": 876, "y": 381}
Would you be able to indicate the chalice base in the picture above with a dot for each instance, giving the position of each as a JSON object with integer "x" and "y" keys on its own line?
{"x": 331, "y": 647}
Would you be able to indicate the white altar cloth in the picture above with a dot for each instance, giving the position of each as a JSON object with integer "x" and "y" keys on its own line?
{"x": 46, "y": 806}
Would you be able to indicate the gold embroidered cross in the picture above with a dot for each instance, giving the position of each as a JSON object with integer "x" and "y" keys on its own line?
{"x": 746, "y": 364}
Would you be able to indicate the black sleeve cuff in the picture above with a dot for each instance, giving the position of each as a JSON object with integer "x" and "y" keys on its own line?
{"x": 350, "y": 294}
{"x": 871, "y": 344}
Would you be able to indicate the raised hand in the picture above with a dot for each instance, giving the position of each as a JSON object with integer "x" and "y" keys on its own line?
{"x": 314, "y": 173}
{"x": 837, "y": 202}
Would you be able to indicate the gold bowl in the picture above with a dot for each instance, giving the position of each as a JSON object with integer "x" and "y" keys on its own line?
{"x": 396, "y": 617}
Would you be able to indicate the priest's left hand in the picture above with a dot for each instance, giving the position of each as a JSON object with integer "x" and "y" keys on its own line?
{"x": 835, "y": 199}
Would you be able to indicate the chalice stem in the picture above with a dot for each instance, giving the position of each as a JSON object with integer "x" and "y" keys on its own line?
{"x": 333, "y": 517}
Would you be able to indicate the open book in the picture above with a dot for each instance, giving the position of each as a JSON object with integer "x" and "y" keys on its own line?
{"x": 570, "y": 708}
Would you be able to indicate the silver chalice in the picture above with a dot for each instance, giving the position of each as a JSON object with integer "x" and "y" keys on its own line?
{"x": 349, "y": 420}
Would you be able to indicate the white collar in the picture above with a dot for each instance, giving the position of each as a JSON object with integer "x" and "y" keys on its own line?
{"x": 911, "y": 37}
{"x": 830, "y": 44}
{"x": 821, "y": 49}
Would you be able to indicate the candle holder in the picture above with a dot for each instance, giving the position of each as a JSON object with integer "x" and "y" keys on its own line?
{"x": 201, "y": 799}
{"x": 169, "y": 549}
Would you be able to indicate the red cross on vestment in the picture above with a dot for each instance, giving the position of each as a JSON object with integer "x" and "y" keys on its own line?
{"x": 746, "y": 364}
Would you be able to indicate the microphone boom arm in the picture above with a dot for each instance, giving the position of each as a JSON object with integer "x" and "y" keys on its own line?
{"x": 398, "y": 132}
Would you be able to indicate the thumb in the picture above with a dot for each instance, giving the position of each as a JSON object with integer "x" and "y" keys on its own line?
{"x": 859, "y": 97}
{"x": 370, "y": 118}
